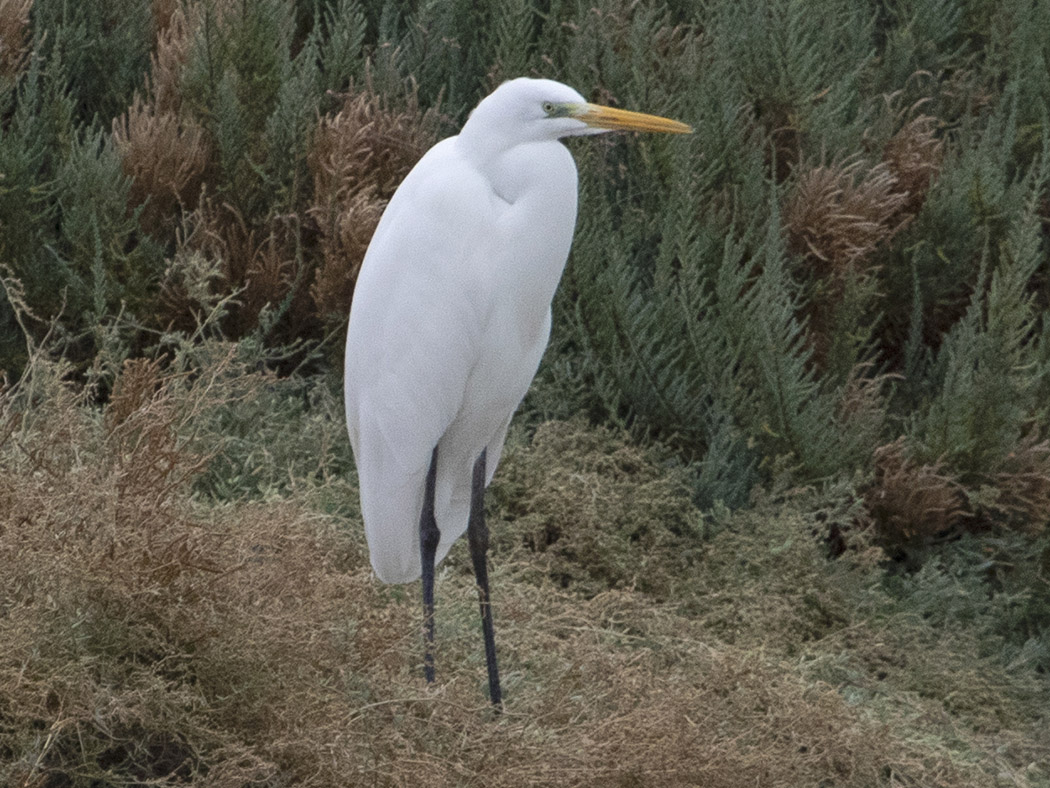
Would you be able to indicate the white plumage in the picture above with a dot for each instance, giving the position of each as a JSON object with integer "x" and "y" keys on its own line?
{"x": 451, "y": 313}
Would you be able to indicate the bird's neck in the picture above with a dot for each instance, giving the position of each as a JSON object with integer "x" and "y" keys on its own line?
{"x": 480, "y": 149}
{"x": 523, "y": 170}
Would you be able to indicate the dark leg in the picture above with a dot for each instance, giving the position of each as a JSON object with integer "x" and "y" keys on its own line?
{"x": 478, "y": 536}
{"x": 429, "y": 536}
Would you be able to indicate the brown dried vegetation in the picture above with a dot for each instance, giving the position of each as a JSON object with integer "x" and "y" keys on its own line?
{"x": 599, "y": 527}
{"x": 838, "y": 214}
{"x": 166, "y": 157}
{"x": 914, "y": 156}
{"x": 836, "y": 217}
{"x": 153, "y": 637}
{"x": 163, "y": 13}
{"x": 14, "y": 36}
{"x": 1023, "y": 486}
{"x": 174, "y": 24}
{"x": 358, "y": 158}
{"x": 164, "y": 152}
{"x": 301, "y": 263}
{"x": 129, "y": 606}
{"x": 261, "y": 265}
{"x": 913, "y": 503}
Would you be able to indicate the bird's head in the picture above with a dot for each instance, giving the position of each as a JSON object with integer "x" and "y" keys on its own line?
{"x": 525, "y": 109}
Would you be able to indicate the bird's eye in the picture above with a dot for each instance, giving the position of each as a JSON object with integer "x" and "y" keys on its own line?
{"x": 548, "y": 107}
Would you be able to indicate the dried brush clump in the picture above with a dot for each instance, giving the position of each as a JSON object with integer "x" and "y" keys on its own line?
{"x": 142, "y": 435}
{"x": 1021, "y": 497}
{"x": 838, "y": 214}
{"x": 174, "y": 24}
{"x": 358, "y": 158}
{"x": 597, "y": 512}
{"x": 914, "y": 156}
{"x": 343, "y": 247}
{"x": 912, "y": 503}
{"x": 14, "y": 36}
{"x": 262, "y": 266}
{"x": 163, "y": 13}
{"x": 130, "y": 651}
{"x": 166, "y": 158}
{"x": 165, "y": 152}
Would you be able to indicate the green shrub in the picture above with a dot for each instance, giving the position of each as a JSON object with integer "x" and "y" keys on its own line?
{"x": 838, "y": 282}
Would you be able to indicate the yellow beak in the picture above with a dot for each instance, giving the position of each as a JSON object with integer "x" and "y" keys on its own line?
{"x": 608, "y": 118}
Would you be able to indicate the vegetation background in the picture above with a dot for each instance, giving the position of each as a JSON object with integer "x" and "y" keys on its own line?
{"x": 774, "y": 513}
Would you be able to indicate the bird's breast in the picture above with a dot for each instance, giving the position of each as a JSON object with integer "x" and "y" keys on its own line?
{"x": 534, "y": 187}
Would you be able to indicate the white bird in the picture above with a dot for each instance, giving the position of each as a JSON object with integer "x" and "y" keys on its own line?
{"x": 450, "y": 316}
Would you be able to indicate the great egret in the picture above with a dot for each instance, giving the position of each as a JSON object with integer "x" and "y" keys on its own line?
{"x": 450, "y": 316}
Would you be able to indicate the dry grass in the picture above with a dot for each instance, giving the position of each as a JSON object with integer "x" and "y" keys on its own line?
{"x": 595, "y": 513}
{"x": 151, "y": 638}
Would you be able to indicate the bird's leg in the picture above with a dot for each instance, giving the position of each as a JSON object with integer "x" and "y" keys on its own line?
{"x": 478, "y": 536}
{"x": 429, "y": 536}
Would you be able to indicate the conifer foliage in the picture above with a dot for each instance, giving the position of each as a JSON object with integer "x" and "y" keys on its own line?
{"x": 838, "y": 286}
{"x": 844, "y": 267}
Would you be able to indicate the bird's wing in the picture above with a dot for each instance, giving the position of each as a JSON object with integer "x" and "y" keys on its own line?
{"x": 416, "y": 319}
{"x": 415, "y": 330}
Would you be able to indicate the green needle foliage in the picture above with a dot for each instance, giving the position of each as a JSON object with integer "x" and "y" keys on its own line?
{"x": 816, "y": 326}
{"x": 849, "y": 252}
